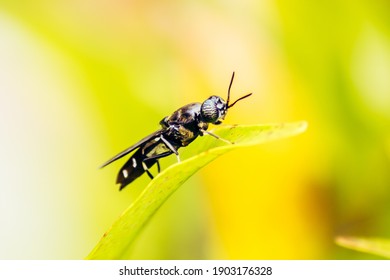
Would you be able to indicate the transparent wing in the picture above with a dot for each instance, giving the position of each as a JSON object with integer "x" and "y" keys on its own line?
{"x": 132, "y": 148}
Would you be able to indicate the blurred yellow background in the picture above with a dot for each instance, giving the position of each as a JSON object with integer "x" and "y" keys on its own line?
{"x": 82, "y": 80}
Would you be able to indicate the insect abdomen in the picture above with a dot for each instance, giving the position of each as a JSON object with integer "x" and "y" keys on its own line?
{"x": 132, "y": 169}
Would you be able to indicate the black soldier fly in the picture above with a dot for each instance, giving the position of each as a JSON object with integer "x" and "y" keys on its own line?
{"x": 177, "y": 130}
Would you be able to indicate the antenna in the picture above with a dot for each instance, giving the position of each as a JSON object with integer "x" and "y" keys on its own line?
{"x": 230, "y": 86}
{"x": 228, "y": 97}
{"x": 245, "y": 96}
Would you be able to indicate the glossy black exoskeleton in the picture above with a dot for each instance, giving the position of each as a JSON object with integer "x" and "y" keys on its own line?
{"x": 177, "y": 130}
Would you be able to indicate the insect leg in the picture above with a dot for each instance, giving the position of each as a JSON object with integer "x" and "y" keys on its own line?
{"x": 158, "y": 166}
{"x": 169, "y": 145}
{"x": 147, "y": 170}
{"x": 156, "y": 157}
{"x": 216, "y": 136}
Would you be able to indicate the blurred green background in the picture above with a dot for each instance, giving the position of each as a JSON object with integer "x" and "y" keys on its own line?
{"x": 81, "y": 80}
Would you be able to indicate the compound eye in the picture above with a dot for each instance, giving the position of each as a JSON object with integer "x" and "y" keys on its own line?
{"x": 209, "y": 111}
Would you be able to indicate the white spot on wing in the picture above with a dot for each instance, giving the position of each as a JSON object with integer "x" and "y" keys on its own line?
{"x": 134, "y": 163}
{"x": 125, "y": 173}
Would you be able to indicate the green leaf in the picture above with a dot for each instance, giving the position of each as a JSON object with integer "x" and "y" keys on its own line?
{"x": 117, "y": 240}
{"x": 375, "y": 246}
